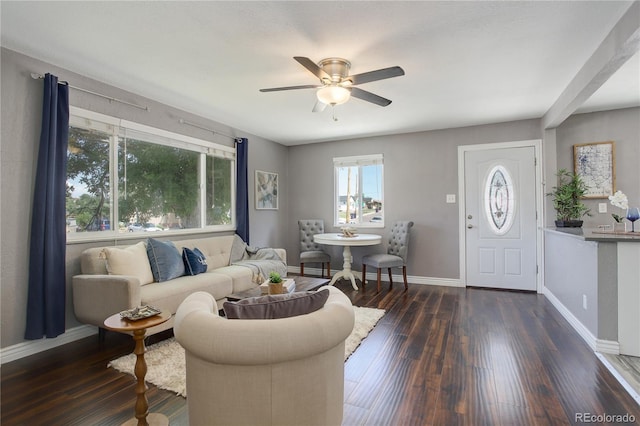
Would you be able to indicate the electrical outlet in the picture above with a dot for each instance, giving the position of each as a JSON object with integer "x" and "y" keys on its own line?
{"x": 584, "y": 302}
{"x": 451, "y": 198}
{"x": 602, "y": 207}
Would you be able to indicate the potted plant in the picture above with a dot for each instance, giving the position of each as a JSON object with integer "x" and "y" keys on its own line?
{"x": 275, "y": 283}
{"x": 567, "y": 200}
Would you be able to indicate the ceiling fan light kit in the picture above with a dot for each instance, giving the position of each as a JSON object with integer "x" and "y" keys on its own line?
{"x": 333, "y": 95}
{"x": 337, "y": 85}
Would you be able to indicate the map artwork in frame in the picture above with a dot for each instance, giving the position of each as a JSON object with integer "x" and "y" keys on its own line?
{"x": 595, "y": 164}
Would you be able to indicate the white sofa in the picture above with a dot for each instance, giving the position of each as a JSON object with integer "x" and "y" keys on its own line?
{"x": 287, "y": 371}
{"x": 99, "y": 293}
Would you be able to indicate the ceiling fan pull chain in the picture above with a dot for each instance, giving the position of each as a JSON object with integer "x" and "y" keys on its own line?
{"x": 333, "y": 112}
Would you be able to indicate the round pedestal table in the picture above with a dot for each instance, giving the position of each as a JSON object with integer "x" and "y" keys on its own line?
{"x": 334, "y": 239}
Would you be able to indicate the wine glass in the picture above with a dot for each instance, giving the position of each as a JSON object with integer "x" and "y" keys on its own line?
{"x": 633, "y": 214}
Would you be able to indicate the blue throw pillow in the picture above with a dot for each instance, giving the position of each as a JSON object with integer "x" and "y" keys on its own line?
{"x": 194, "y": 261}
{"x": 164, "y": 257}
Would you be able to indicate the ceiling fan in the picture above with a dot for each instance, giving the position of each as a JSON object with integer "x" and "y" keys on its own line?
{"x": 337, "y": 86}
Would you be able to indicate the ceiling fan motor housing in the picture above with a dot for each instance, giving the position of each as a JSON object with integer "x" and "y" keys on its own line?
{"x": 337, "y": 68}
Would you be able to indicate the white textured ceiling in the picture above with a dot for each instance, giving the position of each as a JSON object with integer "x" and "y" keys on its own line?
{"x": 466, "y": 63}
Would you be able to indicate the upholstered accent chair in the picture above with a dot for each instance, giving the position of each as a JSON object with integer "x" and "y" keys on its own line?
{"x": 310, "y": 252}
{"x": 287, "y": 371}
{"x": 396, "y": 256}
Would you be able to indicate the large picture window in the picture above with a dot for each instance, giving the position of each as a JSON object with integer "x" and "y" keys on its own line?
{"x": 359, "y": 183}
{"x": 124, "y": 177}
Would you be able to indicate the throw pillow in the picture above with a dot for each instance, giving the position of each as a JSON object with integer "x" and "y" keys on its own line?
{"x": 130, "y": 260}
{"x": 165, "y": 260}
{"x": 276, "y": 306}
{"x": 194, "y": 261}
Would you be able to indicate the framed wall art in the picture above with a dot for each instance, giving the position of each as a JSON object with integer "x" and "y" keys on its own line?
{"x": 595, "y": 164}
{"x": 266, "y": 190}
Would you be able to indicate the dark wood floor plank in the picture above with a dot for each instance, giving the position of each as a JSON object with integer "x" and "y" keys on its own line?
{"x": 440, "y": 356}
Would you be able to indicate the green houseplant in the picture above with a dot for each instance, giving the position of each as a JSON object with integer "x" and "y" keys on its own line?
{"x": 275, "y": 283}
{"x": 567, "y": 200}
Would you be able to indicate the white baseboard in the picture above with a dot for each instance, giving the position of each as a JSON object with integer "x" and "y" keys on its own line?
{"x": 21, "y": 350}
{"x": 634, "y": 394}
{"x": 597, "y": 345}
{"x": 411, "y": 279}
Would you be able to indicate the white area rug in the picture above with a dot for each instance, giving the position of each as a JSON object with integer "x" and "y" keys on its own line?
{"x": 166, "y": 365}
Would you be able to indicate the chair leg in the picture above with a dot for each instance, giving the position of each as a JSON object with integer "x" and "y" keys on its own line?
{"x": 364, "y": 273}
{"x": 328, "y": 269}
{"x": 302, "y": 269}
{"x": 390, "y": 279}
{"x": 322, "y": 269}
{"x": 379, "y": 277}
{"x": 404, "y": 275}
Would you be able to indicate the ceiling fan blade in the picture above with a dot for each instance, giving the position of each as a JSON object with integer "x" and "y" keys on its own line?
{"x": 381, "y": 74}
{"x": 319, "y": 106}
{"x": 369, "y": 97}
{"x": 276, "y": 89}
{"x": 312, "y": 67}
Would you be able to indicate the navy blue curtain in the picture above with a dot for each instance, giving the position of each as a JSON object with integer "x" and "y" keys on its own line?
{"x": 242, "y": 189}
{"x": 46, "y": 298}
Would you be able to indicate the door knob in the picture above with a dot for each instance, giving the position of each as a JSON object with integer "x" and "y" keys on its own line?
{"x": 469, "y": 226}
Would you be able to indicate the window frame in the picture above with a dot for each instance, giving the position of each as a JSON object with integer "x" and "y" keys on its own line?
{"x": 357, "y": 161}
{"x": 116, "y": 128}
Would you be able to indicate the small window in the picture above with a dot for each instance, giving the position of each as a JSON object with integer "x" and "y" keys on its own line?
{"x": 359, "y": 191}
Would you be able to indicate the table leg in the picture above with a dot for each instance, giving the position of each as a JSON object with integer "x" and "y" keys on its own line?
{"x": 142, "y": 404}
{"x": 346, "y": 268}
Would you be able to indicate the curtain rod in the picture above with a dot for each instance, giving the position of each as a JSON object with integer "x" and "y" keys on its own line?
{"x": 37, "y": 76}
{"x": 189, "y": 123}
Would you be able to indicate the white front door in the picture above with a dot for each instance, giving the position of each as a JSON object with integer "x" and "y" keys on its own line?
{"x": 500, "y": 218}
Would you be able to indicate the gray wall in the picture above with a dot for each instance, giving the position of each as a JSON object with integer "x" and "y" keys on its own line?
{"x": 419, "y": 170}
{"x": 574, "y": 269}
{"x": 621, "y": 126}
{"x": 21, "y": 116}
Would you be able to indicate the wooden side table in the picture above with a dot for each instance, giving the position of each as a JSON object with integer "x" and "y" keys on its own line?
{"x": 139, "y": 329}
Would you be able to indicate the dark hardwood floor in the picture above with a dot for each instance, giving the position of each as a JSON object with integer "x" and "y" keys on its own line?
{"x": 440, "y": 356}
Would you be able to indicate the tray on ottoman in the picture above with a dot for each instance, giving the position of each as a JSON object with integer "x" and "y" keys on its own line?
{"x": 302, "y": 284}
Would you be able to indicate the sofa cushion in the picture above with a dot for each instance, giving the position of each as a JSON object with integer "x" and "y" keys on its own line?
{"x": 167, "y": 296}
{"x": 276, "y": 306}
{"x": 194, "y": 261}
{"x": 165, "y": 260}
{"x": 132, "y": 261}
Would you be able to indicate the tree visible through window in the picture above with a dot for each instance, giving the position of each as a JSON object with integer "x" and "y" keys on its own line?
{"x": 359, "y": 190}
{"x": 163, "y": 181}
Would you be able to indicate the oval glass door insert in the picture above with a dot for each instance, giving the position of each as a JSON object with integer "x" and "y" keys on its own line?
{"x": 499, "y": 200}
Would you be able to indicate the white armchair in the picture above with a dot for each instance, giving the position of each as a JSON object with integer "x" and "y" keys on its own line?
{"x": 287, "y": 371}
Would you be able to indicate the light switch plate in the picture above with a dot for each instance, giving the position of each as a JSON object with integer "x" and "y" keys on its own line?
{"x": 602, "y": 207}
{"x": 451, "y": 198}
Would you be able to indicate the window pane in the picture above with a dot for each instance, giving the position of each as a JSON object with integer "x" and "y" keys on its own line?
{"x": 499, "y": 200}
{"x": 347, "y": 194}
{"x": 158, "y": 185}
{"x": 88, "y": 182}
{"x": 219, "y": 180}
{"x": 372, "y": 194}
